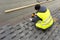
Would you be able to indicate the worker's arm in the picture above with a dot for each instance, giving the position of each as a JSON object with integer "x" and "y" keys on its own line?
{"x": 36, "y": 18}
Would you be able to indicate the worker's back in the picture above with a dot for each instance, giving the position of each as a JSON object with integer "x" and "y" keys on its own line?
{"x": 43, "y": 13}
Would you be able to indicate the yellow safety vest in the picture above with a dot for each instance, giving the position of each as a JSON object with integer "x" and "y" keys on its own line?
{"x": 47, "y": 20}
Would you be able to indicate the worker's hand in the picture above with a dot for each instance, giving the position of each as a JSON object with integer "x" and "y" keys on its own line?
{"x": 33, "y": 14}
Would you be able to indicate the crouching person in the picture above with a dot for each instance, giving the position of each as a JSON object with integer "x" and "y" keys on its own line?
{"x": 43, "y": 18}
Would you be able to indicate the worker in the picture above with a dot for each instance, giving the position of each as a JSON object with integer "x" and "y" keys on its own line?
{"x": 42, "y": 18}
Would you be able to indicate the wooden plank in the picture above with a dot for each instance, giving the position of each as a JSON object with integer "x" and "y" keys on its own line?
{"x": 19, "y": 8}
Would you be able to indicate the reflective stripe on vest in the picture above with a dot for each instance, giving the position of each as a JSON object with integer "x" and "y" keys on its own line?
{"x": 47, "y": 20}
